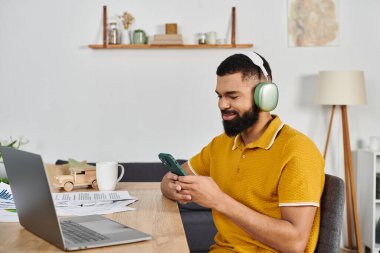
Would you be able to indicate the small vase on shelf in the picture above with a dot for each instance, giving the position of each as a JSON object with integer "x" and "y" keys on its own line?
{"x": 139, "y": 37}
{"x": 127, "y": 20}
{"x": 126, "y": 37}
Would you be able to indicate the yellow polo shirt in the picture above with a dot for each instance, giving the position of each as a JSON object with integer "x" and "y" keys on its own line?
{"x": 282, "y": 168}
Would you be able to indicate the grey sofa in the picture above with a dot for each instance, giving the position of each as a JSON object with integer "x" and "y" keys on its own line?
{"x": 197, "y": 220}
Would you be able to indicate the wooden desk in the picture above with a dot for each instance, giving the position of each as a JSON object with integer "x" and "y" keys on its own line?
{"x": 154, "y": 215}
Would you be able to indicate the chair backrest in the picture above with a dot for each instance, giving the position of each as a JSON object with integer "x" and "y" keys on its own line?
{"x": 332, "y": 205}
{"x": 145, "y": 171}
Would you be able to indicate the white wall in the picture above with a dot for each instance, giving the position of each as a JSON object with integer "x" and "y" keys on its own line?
{"x": 129, "y": 105}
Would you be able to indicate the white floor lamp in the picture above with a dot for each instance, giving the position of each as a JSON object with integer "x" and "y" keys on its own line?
{"x": 344, "y": 88}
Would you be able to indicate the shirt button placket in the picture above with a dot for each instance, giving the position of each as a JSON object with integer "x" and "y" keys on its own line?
{"x": 242, "y": 157}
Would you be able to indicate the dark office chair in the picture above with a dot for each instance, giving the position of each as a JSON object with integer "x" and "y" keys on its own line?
{"x": 332, "y": 205}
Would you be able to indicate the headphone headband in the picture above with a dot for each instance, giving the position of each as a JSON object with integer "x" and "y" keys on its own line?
{"x": 266, "y": 93}
{"x": 256, "y": 59}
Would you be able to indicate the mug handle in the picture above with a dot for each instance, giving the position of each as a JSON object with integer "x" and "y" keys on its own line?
{"x": 122, "y": 172}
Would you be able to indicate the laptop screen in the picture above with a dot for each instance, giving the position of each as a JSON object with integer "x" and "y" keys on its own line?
{"x": 31, "y": 193}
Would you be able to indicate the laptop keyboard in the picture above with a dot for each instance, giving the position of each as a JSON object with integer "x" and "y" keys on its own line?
{"x": 76, "y": 233}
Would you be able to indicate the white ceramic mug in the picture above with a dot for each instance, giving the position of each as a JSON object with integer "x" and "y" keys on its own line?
{"x": 211, "y": 38}
{"x": 106, "y": 175}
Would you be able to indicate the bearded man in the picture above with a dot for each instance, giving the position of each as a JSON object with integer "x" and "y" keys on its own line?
{"x": 262, "y": 179}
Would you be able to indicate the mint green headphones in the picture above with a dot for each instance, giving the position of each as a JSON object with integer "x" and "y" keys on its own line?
{"x": 266, "y": 93}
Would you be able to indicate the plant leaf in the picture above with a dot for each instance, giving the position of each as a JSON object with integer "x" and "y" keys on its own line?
{"x": 4, "y": 180}
{"x": 10, "y": 145}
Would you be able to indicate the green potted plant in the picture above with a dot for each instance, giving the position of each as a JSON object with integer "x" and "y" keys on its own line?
{"x": 11, "y": 143}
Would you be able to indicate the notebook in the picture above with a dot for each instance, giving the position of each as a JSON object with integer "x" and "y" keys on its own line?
{"x": 36, "y": 210}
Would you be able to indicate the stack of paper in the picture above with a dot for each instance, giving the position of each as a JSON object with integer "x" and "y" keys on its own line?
{"x": 71, "y": 203}
{"x": 167, "y": 39}
{"x": 7, "y": 205}
{"x": 88, "y": 203}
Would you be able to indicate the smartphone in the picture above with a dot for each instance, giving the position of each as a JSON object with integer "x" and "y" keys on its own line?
{"x": 171, "y": 164}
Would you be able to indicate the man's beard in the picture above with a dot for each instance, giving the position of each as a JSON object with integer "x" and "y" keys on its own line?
{"x": 239, "y": 124}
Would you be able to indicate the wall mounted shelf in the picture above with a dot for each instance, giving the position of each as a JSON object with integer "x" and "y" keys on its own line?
{"x": 189, "y": 46}
{"x": 186, "y": 46}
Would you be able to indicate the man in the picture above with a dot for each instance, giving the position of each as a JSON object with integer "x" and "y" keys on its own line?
{"x": 262, "y": 179}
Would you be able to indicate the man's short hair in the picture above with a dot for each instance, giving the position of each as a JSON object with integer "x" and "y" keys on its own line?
{"x": 240, "y": 63}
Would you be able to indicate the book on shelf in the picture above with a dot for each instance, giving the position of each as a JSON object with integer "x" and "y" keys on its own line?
{"x": 166, "y": 42}
{"x": 167, "y": 37}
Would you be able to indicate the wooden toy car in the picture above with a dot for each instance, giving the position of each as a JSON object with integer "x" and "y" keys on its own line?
{"x": 82, "y": 175}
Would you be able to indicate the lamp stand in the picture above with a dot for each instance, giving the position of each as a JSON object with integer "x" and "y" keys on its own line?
{"x": 349, "y": 178}
{"x": 329, "y": 131}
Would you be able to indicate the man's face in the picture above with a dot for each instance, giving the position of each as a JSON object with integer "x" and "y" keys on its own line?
{"x": 236, "y": 103}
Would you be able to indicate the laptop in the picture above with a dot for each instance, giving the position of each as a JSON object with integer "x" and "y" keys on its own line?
{"x": 36, "y": 210}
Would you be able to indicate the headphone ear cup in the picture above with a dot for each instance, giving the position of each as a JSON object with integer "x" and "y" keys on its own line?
{"x": 266, "y": 96}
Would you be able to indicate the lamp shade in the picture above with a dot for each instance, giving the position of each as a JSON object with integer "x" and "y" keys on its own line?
{"x": 341, "y": 88}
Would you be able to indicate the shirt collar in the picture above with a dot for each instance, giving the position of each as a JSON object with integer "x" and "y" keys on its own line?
{"x": 266, "y": 140}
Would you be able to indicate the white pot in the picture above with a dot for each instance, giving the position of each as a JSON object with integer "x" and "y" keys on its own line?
{"x": 126, "y": 37}
{"x": 2, "y": 171}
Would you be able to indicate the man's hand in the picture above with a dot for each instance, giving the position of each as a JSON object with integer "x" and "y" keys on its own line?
{"x": 202, "y": 190}
{"x": 171, "y": 189}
